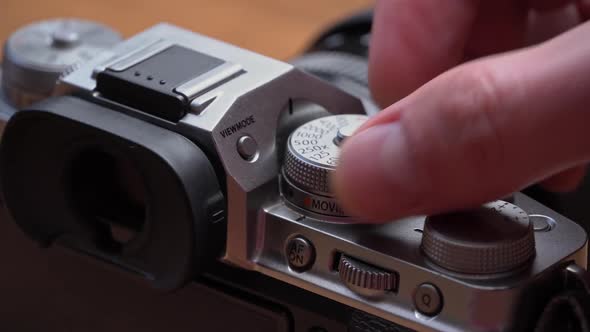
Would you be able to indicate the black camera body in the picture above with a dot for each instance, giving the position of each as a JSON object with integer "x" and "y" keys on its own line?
{"x": 202, "y": 168}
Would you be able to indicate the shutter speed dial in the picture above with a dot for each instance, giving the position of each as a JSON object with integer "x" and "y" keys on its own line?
{"x": 312, "y": 155}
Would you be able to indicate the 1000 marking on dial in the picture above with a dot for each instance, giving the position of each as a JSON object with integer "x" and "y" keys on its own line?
{"x": 315, "y": 141}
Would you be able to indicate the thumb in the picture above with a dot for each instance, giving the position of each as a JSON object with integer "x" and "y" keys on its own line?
{"x": 473, "y": 134}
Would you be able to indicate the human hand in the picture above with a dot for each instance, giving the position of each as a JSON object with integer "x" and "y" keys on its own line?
{"x": 459, "y": 133}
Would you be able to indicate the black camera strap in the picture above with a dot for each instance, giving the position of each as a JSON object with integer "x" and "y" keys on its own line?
{"x": 569, "y": 309}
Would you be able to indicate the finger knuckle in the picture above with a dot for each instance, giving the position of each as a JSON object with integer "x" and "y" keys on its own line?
{"x": 466, "y": 142}
{"x": 473, "y": 90}
{"x": 474, "y": 108}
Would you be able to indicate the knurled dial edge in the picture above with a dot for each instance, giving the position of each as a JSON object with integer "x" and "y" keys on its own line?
{"x": 313, "y": 151}
{"x": 497, "y": 237}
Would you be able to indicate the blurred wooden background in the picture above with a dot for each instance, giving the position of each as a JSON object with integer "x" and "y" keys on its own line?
{"x": 277, "y": 28}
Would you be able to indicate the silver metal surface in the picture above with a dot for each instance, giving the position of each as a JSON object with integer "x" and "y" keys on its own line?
{"x": 542, "y": 223}
{"x": 300, "y": 253}
{"x": 209, "y": 80}
{"x": 396, "y": 247}
{"x": 428, "y": 299}
{"x": 129, "y": 60}
{"x": 494, "y": 238}
{"x": 37, "y": 54}
{"x": 365, "y": 279}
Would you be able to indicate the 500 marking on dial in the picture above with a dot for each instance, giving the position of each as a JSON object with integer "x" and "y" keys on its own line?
{"x": 317, "y": 152}
{"x": 315, "y": 141}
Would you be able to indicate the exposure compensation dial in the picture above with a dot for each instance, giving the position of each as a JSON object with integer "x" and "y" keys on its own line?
{"x": 497, "y": 237}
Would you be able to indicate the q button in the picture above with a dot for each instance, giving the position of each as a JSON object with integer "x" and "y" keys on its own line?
{"x": 428, "y": 299}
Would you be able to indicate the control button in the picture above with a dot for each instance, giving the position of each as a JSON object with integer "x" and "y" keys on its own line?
{"x": 300, "y": 253}
{"x": 428, "y": 299}
{"x": 494, "y": 238}
{"x": 248, "y": 148}
{"x": 542, "y": 223}
{"x": 65, "y": 38}
{"x": 346, "y": 132}
{"x": 365, "y": 279}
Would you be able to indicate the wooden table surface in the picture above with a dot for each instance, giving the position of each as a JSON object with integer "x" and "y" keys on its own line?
{"x": 277, "y": 28}
{"x": 49, "y": 290}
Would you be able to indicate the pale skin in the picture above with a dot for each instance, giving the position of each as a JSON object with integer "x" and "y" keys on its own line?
{"x": 473, "y": 108}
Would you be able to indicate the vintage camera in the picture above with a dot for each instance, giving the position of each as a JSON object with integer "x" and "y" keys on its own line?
{"x": 180, "y": 159}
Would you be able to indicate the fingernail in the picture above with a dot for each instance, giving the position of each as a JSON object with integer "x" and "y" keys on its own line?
{"x": 374, "y": 178}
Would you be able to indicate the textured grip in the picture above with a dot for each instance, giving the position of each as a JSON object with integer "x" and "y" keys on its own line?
{"x": 307, "y": 176}
{"x": 467, "y": 258}
{"x": 313, "y": 150}
{"x": 355, "y": 273}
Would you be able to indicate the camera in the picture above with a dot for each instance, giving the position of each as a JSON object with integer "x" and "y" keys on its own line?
{"x": 179, "y": 159}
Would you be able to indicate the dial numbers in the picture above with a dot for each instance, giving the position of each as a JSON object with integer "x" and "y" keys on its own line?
{"x": 314, "y": 141}
{"x": 312, "y": 154}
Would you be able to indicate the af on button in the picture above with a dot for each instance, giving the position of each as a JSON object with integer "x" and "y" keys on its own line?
{"x": 300, "y": 253}
{"x": 428, "y": 299}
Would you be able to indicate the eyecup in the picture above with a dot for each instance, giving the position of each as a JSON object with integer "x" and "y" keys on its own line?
{"x": 182, "y": 231}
